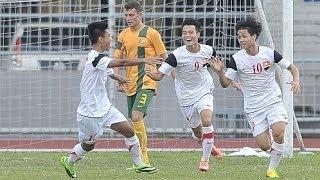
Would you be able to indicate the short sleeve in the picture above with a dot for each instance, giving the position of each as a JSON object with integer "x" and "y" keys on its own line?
{"x": 109, "y": 71}
{"x": 166, "y": 68}
{"x": 231, "y": 64}
{"x": 277, "y": 56}
{"x": 103, "y": 64}
{"x": 282, "y": 62}
{"x": 171, "y": 60}
{"x": 231, "y": 74}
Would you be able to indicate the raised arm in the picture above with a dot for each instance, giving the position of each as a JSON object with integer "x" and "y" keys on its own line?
{"x": 217, "y": 66}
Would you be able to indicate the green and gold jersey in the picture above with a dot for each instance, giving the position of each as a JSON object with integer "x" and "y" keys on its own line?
{"x": 145, "y": 43}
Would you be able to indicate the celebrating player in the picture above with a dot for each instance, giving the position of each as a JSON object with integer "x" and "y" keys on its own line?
{"x": 95, "y": 110}
{"x": 254, "y": 67}
{"x": 194, "y": 86}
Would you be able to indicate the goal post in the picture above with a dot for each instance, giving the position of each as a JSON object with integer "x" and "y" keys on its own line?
{"x": 282, "y": 76}
{"x": 287, "y": 45}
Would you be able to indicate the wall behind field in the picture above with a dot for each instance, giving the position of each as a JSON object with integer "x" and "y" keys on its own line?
{"x": 306, "y": 27}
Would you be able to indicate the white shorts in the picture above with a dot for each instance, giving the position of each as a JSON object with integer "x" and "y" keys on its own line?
{"x": 192, "y": 113}
{"x": 91, "y": 129}
{"x": 262, "y": 120}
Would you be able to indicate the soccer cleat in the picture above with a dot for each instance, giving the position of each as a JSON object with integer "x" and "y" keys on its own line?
{"x": 216, "y": 152}
{"x": 70, "y": 169}
{"x": 272, "y": 174}
{"x": 144, "y": 168}
{"x": 204, "y": 166}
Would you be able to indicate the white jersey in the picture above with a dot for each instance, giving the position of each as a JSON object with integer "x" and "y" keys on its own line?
{"x": 94, "y": 98}
{"x": 256, "y": 77}
{"x": 192, "y": 77}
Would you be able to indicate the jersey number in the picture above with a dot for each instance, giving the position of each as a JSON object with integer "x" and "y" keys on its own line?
{"x": 257, "y": 68}
{"x": 197, "y": 66}
{"x": 143, "y": 99}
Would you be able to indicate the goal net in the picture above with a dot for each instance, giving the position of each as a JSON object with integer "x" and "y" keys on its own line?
{"x": 44, "y": 43}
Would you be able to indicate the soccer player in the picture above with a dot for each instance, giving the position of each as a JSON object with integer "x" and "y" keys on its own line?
{"x": 95, "y": 110}
{"x": 193, "y": 85}
{"x": 138, "y": 41}
{"x": 254, "y": 67}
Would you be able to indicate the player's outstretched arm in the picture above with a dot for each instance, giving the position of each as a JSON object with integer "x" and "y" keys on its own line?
{"x": 118, "y": 78}
{"x": 224, "y": 81}
{"x": 217, "y": 66}
{"x": 295, "y": 79}
{"x": 120, "y": 82}
{"x": 120, "y": 87}
{"x": 132, "y": 62}
{"x": 157, "y": 76}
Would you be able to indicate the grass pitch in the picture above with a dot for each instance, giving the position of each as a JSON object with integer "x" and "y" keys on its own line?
{"x": 171, "y": 165}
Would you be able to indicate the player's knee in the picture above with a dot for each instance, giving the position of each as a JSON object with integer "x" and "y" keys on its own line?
{"x": 197, "y": 135}
{"x": 129, "y": 132}
{"x": 206, "y": 122}
{"x": 265, "y": 147}
{"x": 87, "y": 147}
{"x": 137, "y": 116}
{"x": 124, "y": 128}
{"x": 278, "y": 135}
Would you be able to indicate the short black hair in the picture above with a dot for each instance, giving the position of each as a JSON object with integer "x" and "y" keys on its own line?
{"x": 96, "y": 30}
{"x": 251, "y": 25}
{"x": 191, "y": 22}
{"x": 133, "y": 5}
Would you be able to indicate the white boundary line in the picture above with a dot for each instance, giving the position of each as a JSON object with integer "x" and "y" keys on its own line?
{"x": 124, "y": 150}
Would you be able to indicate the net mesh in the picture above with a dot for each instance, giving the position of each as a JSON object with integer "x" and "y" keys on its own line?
{"x": 41, "y": 67}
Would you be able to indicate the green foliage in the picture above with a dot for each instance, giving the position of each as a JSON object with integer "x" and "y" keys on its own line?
{"x": 171, "y": 165}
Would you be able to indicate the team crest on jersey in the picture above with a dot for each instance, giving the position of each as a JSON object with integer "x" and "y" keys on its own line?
{"x": 266, "y": 64}
{"x": 141, "y": 41}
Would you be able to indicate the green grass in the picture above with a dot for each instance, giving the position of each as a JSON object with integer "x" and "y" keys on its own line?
{"x": 172, "y": 166}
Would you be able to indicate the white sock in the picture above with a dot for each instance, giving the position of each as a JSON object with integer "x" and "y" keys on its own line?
{"x": 207, "y": 142}
{"x": 134, "y": 148}
{"x": 76, "y": 154}
{"x": 276, "y": 155}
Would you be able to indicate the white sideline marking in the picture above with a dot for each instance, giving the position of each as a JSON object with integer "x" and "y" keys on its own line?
{"x": 124, "y": 150}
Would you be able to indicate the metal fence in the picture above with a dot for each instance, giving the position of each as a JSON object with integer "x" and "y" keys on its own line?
{"x": 39, "y": 83}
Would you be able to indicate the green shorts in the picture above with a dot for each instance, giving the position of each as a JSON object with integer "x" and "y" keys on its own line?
{"x": 140, "y": 101}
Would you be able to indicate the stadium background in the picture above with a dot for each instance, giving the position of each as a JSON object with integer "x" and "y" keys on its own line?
{"x": 39, "y": 83}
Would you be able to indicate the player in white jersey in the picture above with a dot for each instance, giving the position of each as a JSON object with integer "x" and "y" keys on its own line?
{"x": 254, "y": 67}
{"x": 194, "y": 86}
{"x": 95, "y": 110}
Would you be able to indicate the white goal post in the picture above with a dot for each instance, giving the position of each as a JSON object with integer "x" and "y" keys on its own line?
{"x": 283, "y": 76}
